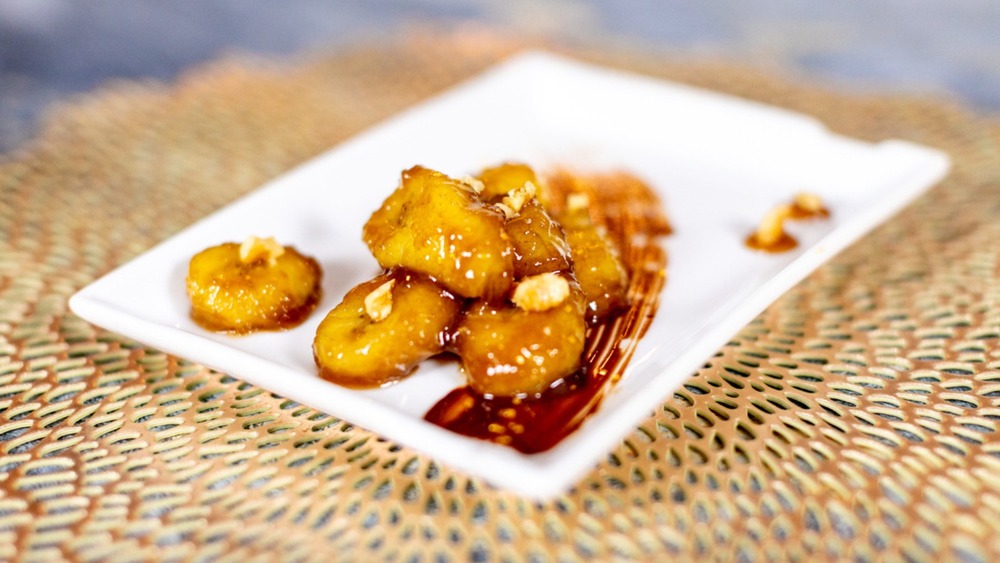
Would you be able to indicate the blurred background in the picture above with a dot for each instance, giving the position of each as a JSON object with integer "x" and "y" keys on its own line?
{"x": 53, "y": 49}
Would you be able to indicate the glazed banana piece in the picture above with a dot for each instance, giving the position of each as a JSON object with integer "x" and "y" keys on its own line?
{"x": 596, "y": 262}
{"x": 520, "y": 348}
{"x": 539, "y": 242}
{"x": 383, "y": 328}
{"x": 256, "y": 285}
{"x": 439, "y": 226}
{"x": 478, "y": 267}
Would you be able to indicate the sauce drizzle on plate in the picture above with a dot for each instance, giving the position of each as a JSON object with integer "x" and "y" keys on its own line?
{"x": 632, "y": 213}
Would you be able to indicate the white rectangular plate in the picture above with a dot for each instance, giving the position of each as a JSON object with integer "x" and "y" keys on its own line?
{"x": 719, "y": 164}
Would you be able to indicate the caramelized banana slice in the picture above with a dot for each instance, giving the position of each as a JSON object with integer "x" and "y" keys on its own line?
{"x": 511, "y": 351}
{"x": 596, "y": 262}
{"x": 382, "y": 329}
{"x": 439, "y": 226}
{"x": 259, "y": 285}
{"x": 539, "y": 243}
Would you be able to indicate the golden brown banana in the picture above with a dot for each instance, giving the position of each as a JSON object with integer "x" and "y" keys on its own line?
{"x": 539, "y": 242}
{"x": 439, "y": 226}
{"x": 383, "y": 328}
{"x": 596, "y": 261}
{"x": 257, "y": 285}
{"x": 510, "y": 350}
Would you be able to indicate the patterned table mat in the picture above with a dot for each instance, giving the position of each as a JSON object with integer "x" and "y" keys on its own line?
{"x": 856, "y": 418}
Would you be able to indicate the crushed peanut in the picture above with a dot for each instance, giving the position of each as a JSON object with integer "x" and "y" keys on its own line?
{"x": 772, "y": 227}
{"x": 506, "y": 210}
{"x": 378, "y": 303}
{"x": 516, "y": 198}
{"x": 541, "y": 292}
{"x": 770, "y": 235}
{"x": 253, "y": 249}
{"x": 809, "y": 202}
{"x": 474, "y": 183}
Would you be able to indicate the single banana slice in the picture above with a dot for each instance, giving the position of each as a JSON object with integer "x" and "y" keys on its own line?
{"x": 539, "y": 243}
{"x": 509, "y": 351}
{"x": 257, "y": 285}
{"x": 596, "y": 261}
{"x": 383, "y": 328}
{"x": 439, "y": 226}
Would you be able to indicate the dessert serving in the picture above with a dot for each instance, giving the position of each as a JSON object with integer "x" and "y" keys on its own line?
{"x": 719, "y": 162}
{"x": 540, "y": 289}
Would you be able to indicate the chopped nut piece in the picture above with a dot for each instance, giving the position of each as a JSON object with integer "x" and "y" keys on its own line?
{"x": 477, "y": 185}
{"x": 541, "y": 292}
{"x": 577, "y": 201}
{"x": 254, "y": 248}
{"x": 772, "y": 226}
{"x": 507, "y": 211}
{"x": 378, "y": 303}
{"x": 809, "y": 202}
{"x": 353, "y": 349}
{"x": 770, "y": 235}
{"x": 516, "y": 198}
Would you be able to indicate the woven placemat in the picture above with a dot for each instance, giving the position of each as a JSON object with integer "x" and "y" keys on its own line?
{"x": 856, "y": 418}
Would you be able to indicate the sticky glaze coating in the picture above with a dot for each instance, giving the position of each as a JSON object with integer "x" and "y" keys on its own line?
{"x": 500, "y": 180}
{"x": 539, "y": 242}
{"x": 596, "y": 263}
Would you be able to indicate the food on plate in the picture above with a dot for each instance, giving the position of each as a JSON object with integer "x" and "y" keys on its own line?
{"x": 631, "y": 215}
{"x": 771, "y": 235}
{"x": 539, "y": 243}
{"x": 440, "y": 227}
{"x": 596, "y": 261}
{"x": 519, "y": 348}
{"x": 252, "y": 286}
{"x": 541, "y": 288}
{"x": 383, "y": 328}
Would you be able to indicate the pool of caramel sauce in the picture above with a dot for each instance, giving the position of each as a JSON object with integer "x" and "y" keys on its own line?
{"x": 635, "y": 220}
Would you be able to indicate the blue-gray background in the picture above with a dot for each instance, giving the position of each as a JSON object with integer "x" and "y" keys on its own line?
{"x": 51, "y": 49}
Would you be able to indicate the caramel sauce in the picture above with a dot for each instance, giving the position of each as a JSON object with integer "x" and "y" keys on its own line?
{"x": 631, "y": 212}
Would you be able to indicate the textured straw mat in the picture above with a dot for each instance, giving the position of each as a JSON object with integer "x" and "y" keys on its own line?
{"x": 856, "y": 418}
